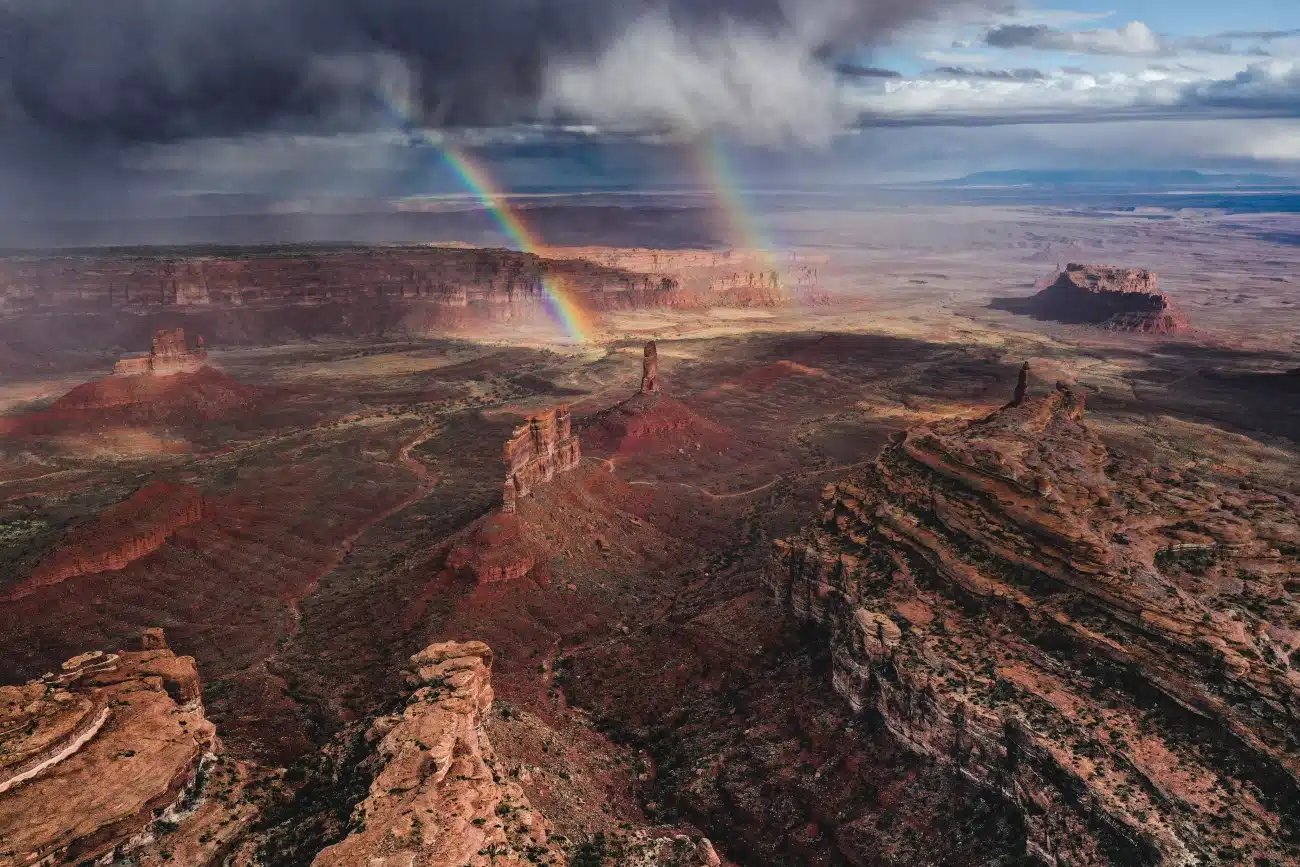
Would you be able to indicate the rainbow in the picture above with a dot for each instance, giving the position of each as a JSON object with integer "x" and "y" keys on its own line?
{"x": 742, "y": 228}
{"x": 563, "y": 302}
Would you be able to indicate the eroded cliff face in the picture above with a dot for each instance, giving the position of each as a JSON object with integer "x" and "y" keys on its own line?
{"x": 99, "y": 301}
{"x": 168, "y": 354}
{"x": 541, "y": 448}
{"x": 1111, "y": 645}
{"x": 1122, "y": 299}
{"x": 439, "y": 799}
{"x": 108, "y": 755}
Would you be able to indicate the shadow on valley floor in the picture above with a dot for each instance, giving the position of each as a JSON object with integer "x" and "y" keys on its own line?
{"x": 1244, "y": 392}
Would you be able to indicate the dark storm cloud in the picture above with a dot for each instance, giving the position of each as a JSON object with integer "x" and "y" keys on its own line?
{"x": 157, "y": 70}
{"x": 990, "y": 74}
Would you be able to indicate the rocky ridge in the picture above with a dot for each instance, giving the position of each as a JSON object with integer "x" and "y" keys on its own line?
{"x": 125, "y": 532}
{"x": 1119, "y": 299}
{"x": 439, "y": 799}
{"x": 1111, "y": 645}
{"x": 103, "y": 756}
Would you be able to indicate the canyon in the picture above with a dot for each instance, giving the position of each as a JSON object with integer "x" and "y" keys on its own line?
{"x": 849, "y": 566}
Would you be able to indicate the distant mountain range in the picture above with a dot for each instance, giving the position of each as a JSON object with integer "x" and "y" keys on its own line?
{"x": 1148, "y": 178}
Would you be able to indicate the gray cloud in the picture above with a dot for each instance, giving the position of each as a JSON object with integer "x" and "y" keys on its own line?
{"x": 854, "y": 70}
{"x": 991, "y": 74}
{"x": 1271, "y": 88}
{"x": 1261, "y": 35}
{"x": 1134, "y": 39}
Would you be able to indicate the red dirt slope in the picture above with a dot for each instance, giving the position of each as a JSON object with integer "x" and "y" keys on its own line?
{"x": 179, "y": 399}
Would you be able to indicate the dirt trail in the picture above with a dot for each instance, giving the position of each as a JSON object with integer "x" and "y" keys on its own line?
{"x": 428, "y": 482}
{"x": 714, "y": 496}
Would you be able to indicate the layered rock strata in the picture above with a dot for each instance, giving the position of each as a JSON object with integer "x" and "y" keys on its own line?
{"x": 439, "y": 798}
{"x": 1112, "y": 645}
{"x": 1122, "y": 299}
{"x": 168, "y": 355}
{"x": 124, "y": 533}
{"x": 77, "y": 301}
{"x": 537, "y": 451}
{"x": 92, "y": 754}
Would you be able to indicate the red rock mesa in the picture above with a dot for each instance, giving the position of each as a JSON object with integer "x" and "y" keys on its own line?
{"x": 538, "y": 450}
{"x": 1122, "y": 299}
{"x": 171, "y": 385}
{"x": 167, "y": 356}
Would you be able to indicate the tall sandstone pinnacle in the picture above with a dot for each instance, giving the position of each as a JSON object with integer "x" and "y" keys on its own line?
{"x": 1010, "y": 596}
{"x": 1022, "y": 386}
{"x": 650, "y": 369}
